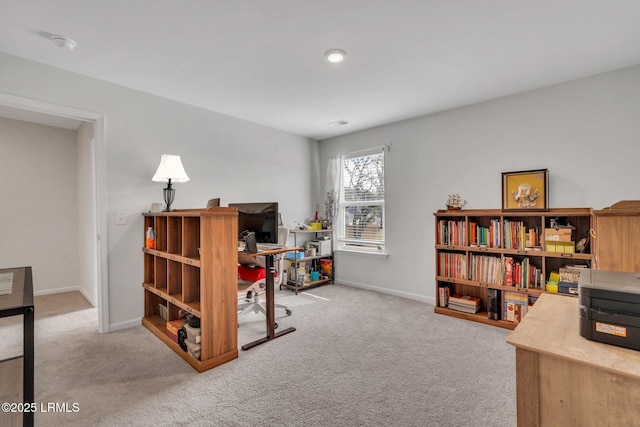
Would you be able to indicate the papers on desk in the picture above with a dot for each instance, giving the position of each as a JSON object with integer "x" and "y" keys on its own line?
{"x": 6, "y": 283}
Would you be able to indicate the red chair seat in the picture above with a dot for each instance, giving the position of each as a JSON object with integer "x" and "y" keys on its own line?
{"x": 252, "y": 274}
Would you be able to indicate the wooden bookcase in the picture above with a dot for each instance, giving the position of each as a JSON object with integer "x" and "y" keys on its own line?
{"x": 617, "y": 241}
{"x": 466, "y": 264}
{"x": 193, "y": 269}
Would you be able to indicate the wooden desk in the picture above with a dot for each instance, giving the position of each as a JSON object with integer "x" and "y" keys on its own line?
{"x": 18, "y": 302}
{"x": 563, "y": 379}
{"x": 270, "y": 256}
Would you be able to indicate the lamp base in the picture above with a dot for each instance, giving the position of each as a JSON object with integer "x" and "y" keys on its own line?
{"x": 169, "y": 194}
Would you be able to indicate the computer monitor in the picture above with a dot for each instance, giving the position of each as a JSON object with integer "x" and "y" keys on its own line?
{"x": 260, "y": 218}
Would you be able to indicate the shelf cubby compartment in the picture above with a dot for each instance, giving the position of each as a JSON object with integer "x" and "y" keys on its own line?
{"x": 161, "y": 233}
{"x": 190, "y": 284}
{"x": 174, "y": 235}
{"x": 174, "y": 279}
{"x": 149, "y": 268}
{"x": 191, "y": 237}
{"x": 151, "y": 304}
{"x": 484, "y": 232}
{"x": 160, "y": 273}
{"x": 523, "y": 272}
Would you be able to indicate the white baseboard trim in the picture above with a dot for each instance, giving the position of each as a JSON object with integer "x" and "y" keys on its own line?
{"x": 69, "y": 289}
{"x": 88, "y": 298}
{"x": 125, "y": 325}
{"x": 56, "y": 291}
{"x": 408, "y": 295}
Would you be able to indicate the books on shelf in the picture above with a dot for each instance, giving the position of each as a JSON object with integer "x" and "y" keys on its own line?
{"x": 493, "y": 304}
{"x": 516, "y": 305}
{"x": 452, "y": 264}
{"x": 443, "y": 295}
{"x": 451, "y": 232}
{"x": 465, "y": 303}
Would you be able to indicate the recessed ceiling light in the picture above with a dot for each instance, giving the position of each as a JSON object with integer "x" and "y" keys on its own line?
{"x": 63, "y": 42}
{"x": 335, "y": 55}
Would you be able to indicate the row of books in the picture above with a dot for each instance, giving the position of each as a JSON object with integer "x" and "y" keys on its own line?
{"x": 505, "y": 271}
{"x": 485, "y": 236}
{"x": 518, "y": 236}
{"x": 460, "y": 233}
{"x": 515, "y": 305}
{"x": 451, "y": 233}
{"x": 522, "y": 273}
{"x": 452, "y": 264}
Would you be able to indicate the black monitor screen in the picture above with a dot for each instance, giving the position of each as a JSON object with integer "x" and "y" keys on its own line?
{"x": 260, "y": 218}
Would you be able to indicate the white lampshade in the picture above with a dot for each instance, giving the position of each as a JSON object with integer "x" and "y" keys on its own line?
{"x": 170, "y": 168}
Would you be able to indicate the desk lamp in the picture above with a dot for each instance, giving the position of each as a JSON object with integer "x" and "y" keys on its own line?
{"x": 170, "y": 169}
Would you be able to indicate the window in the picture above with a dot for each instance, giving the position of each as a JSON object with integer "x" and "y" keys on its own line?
{"x": 361, "y": 203}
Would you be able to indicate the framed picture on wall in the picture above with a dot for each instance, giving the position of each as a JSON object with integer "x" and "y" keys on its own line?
{"x": 525, "y": 190}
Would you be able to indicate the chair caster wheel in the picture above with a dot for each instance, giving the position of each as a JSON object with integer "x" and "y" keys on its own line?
{"x": 275, "y": 326}
{"x": 288, "y": 312}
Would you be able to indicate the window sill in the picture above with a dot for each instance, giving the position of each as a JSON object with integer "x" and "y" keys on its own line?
{"x": 383, "y": 255}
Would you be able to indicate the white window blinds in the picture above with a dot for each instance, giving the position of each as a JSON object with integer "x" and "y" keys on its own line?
{"x": 362, "y": 199}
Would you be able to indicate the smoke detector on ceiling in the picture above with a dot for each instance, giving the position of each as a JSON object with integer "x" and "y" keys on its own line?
{"x": 63, "y": 42}
{"x": 338, "y": 123}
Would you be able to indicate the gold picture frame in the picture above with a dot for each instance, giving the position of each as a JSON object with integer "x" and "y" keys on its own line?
{"x": 525, "y": 190}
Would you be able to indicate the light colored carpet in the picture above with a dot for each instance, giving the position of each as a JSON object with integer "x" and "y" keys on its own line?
{"x": 357, "y": 358}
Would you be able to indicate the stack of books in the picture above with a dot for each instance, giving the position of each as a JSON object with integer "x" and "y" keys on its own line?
{"x": 464, "y": 303}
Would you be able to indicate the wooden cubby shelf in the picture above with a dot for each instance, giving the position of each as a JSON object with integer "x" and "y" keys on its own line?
{"x": 497, "y": 257}
{"x": 193, "y": 269}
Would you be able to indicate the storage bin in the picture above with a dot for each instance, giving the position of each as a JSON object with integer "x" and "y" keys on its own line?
{"x": 193, "y": 348}
{"x": 294, "y": 255}
{"x": 193, "y": 334}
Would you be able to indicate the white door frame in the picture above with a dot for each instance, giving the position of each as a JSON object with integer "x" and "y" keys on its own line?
{"x": 100, "y": 190}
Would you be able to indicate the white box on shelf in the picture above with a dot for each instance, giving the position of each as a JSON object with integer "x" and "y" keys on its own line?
{"x": 323, "y": 247}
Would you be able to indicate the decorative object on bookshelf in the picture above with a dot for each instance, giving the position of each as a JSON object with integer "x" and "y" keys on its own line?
{"x": 525, "y": 190}
{"x": 455, "y": 202}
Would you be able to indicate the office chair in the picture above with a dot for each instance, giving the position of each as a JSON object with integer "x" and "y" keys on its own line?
{"x": 213, "y": 202}
{"x": 252, "y": 269}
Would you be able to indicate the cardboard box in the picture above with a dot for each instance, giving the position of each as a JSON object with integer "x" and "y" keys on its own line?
{"x": 175, "y": 325}
{"x": 570, "y": 275}
{"x": 558, "y": 231}
{"x": 561, "y": 247}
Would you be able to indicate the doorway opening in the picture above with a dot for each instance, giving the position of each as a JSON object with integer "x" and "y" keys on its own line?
{"x": 94, "y": 167}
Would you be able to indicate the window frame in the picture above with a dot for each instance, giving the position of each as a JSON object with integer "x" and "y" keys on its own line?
{"x": 350, "y": 244}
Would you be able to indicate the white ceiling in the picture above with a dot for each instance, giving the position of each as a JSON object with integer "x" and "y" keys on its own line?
{"x": 262, "y": 60}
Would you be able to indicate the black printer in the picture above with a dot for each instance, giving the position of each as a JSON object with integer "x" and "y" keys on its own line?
{"x": 610, "y": 307}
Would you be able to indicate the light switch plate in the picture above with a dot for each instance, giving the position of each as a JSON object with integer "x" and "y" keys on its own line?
{"x": 121, "y": 218}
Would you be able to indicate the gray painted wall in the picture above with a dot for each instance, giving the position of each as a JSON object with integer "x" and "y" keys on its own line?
{"x": 586, "y": 132}
{"x": 39, "y": 216}
{"x": 225, "y": 157}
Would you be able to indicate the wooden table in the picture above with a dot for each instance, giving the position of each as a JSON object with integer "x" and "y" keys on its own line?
{"x": 563, "y": 379}
{"x": 270, "y": 256}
